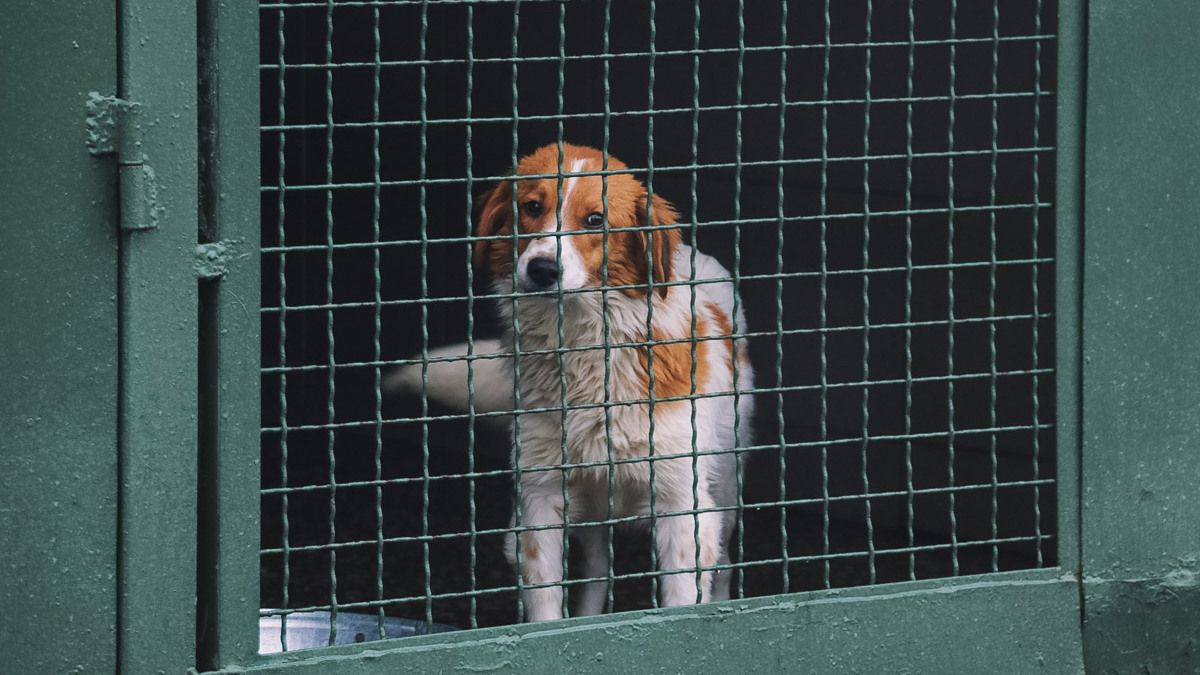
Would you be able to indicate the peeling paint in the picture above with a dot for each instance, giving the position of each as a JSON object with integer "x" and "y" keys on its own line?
{"x": 103, "y": 114}
{"x": 212, "y": 260}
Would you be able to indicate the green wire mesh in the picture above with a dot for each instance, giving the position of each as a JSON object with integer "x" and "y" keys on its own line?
{"x": 875, "y": 176}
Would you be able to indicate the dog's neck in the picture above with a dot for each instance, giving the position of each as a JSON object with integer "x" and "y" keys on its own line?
{"x": 588, "y": 319}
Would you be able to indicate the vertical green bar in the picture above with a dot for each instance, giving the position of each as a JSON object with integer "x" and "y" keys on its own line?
{"x": 377, "y": 278}
{"x": 610, "y": 580}
{"x": 823, "y": 312}
{"x": 515, "y": 325}
{"x": 737, "y": 295}
{"x": 1035, "y": 460}
{"x": 910, "y": 511}
{"x": 330, "y": 333}
{"x": 158, "y": 328}
{"x": 950, "y": 205}
{"x": 866, "y": 302}
{"x": 423, "y": 160}
{"x": 470, "y": 290}
{"x": 652, "y": 63}
{"x": 560, "y": 352}
{"x": 694, "y": 218}
{"x": 281, "y": 231}
{"x": 1068, "y": 222}
{"x": 228, "y": 582}
{"x": 58, "y": 343}
{"x": 779, "y": 267}
{"x": 993, "y": 457}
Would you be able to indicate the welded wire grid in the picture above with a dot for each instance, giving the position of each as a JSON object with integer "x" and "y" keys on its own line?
{"x": 876, "y": 176}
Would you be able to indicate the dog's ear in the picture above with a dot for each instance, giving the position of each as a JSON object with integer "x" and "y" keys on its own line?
{"x": 662, "y": 243}
{"x": 494, "y": 214}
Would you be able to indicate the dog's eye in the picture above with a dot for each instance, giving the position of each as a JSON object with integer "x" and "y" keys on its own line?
{"x": 594, "y": 221}
{"x": 533, "y": 208}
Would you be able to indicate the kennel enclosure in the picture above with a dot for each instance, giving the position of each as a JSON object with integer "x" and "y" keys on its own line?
{"x": 164, "y": 343}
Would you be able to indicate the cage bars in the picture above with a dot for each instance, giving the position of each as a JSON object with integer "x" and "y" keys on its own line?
{"x": 832, "y": 332}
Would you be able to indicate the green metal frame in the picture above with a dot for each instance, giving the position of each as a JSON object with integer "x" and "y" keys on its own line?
{"x": 1008, "y": 623}
{"x": 227, "y": 630}
{"x": 128, "y": 470}
{"x": 158, "y": 319}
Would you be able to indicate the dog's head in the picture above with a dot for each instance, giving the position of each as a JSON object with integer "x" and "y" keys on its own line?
{"x": 562, "y": 229}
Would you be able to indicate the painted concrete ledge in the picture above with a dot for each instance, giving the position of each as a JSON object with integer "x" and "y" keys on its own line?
{"x": 1011, "y": 623}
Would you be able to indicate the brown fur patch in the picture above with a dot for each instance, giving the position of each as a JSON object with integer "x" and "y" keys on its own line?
{"x": 725, "y": 327}
{"x": 673, "y": 363}
{"x": 529, "y": 546}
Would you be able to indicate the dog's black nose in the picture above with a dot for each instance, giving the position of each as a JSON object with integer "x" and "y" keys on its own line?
{"x": 543, "y": 271}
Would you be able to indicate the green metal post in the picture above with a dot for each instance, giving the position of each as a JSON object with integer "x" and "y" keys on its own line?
{"x": 157, "y": 567}
{"x": 58, "y": 343}
{"x": 1141, "y": 336}
{"x": 227, "y": 583}
{"x": 1068, "y": 215}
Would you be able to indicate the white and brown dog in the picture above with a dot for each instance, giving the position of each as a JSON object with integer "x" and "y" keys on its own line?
{"x": 671, "y": 357}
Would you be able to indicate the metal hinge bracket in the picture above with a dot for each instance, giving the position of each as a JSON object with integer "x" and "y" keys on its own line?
{"x": 114, "y": 128}
{"x": 213, "y": 259}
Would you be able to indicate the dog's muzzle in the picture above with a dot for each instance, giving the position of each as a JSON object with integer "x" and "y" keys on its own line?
{"x": 541, "y": 274}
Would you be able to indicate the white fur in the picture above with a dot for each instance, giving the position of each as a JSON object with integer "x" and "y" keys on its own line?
{"x": 446, "y": 377}
{"x": 572, "y": 275}
{"x": 540, "y": 449}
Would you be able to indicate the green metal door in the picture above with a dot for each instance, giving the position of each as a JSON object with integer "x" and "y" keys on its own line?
{"x": 58, "y": 393}
{"x": 99, "y": 267}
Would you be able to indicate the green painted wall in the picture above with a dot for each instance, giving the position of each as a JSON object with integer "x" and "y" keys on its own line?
{"x": 58, "y": 343}
{"x": 1141, "y": 338}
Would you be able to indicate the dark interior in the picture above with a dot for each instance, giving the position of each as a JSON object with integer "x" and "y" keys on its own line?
{"x": 928, "y": 181}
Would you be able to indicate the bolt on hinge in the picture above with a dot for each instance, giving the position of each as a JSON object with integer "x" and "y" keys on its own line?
{"x": 114, "y": 128}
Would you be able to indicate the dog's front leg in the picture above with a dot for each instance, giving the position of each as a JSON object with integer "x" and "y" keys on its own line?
{"x": 689, "y": 540}
{"x": 593, "y": 594}
{"x": 541, "y": 561}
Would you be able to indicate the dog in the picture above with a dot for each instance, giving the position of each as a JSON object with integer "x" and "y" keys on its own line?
{"x": 628, "y": 286}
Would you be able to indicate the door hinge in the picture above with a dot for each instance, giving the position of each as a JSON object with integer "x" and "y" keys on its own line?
{"x": 114, "y": 128}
